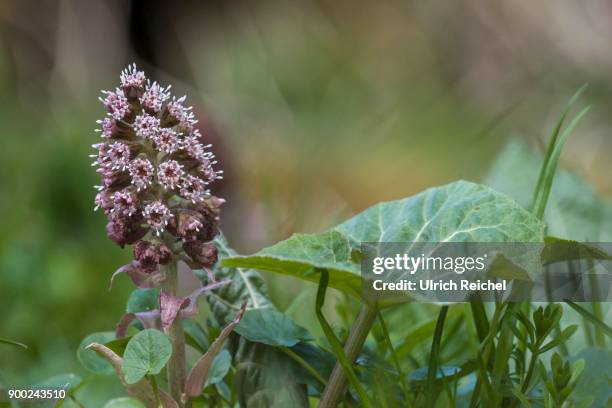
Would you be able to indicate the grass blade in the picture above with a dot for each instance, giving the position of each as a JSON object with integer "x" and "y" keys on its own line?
{"x": 337, "y": 348}
{"x": 434, "y": 357}
{"x": 553, "y": 143}
{"x": 551, "y": 166}
{"x": 480, "y": 319}
{"x": 396, "y": 363}
{"x": 607, "y": 330}
{"x": 13, "y": 343}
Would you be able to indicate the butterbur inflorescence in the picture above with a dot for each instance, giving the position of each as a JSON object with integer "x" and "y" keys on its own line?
{"x": 155, "y": 173}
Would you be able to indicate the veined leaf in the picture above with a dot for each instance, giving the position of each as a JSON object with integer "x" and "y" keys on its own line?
{"x": 146, "y": 353}
{"x": 246, "y": 286}
{"x": 457, "y": 212}
{"x": 264, "y": 376}
{"x": 271, "y": 327}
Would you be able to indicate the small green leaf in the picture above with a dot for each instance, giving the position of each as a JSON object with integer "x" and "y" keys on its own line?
{"x": 271, "y": 327}
{"x": 146, "y": 354}
{"x": 89, "y": 359}
{"x": 124, "y": 403}
{"x": 143, "y": 300}
{"x": 220, "y": 367}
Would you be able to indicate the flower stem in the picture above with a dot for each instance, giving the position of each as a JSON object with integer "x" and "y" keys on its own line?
{"x": 177, "y": 371}
{"x": 155, "y": 391}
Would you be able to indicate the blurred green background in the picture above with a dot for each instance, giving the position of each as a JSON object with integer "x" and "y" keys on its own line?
{"x": 317, "y": 109}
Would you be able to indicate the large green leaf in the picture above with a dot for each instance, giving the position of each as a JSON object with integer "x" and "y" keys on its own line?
{"x": 457, "y": 212}
{"x": 146, "y": 353}
{"x": 575, "y": 211}
{"x": 264, "y": 376}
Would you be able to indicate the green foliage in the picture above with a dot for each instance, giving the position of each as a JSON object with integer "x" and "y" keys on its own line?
{"x": 89, "y": 359}
{"x": 271, "y": 327}
{"x": 264, "y": 376}
{"x": 560, "y": 383}
{"x": 271, "y": 361}
{"x": 146, "y": 354}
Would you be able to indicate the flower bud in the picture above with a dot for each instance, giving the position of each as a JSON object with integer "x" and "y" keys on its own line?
{"x": 204, "y": 253}
{"x": 150, "y": 255}
{"x": 122, "y": 232}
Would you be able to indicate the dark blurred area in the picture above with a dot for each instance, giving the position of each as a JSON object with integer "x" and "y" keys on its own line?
{"x": 316, "y": 109}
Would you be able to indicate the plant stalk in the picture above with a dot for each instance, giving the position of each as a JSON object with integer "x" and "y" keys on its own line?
{"x": 176, "y": 368}
{"x": 359, "y": 332}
